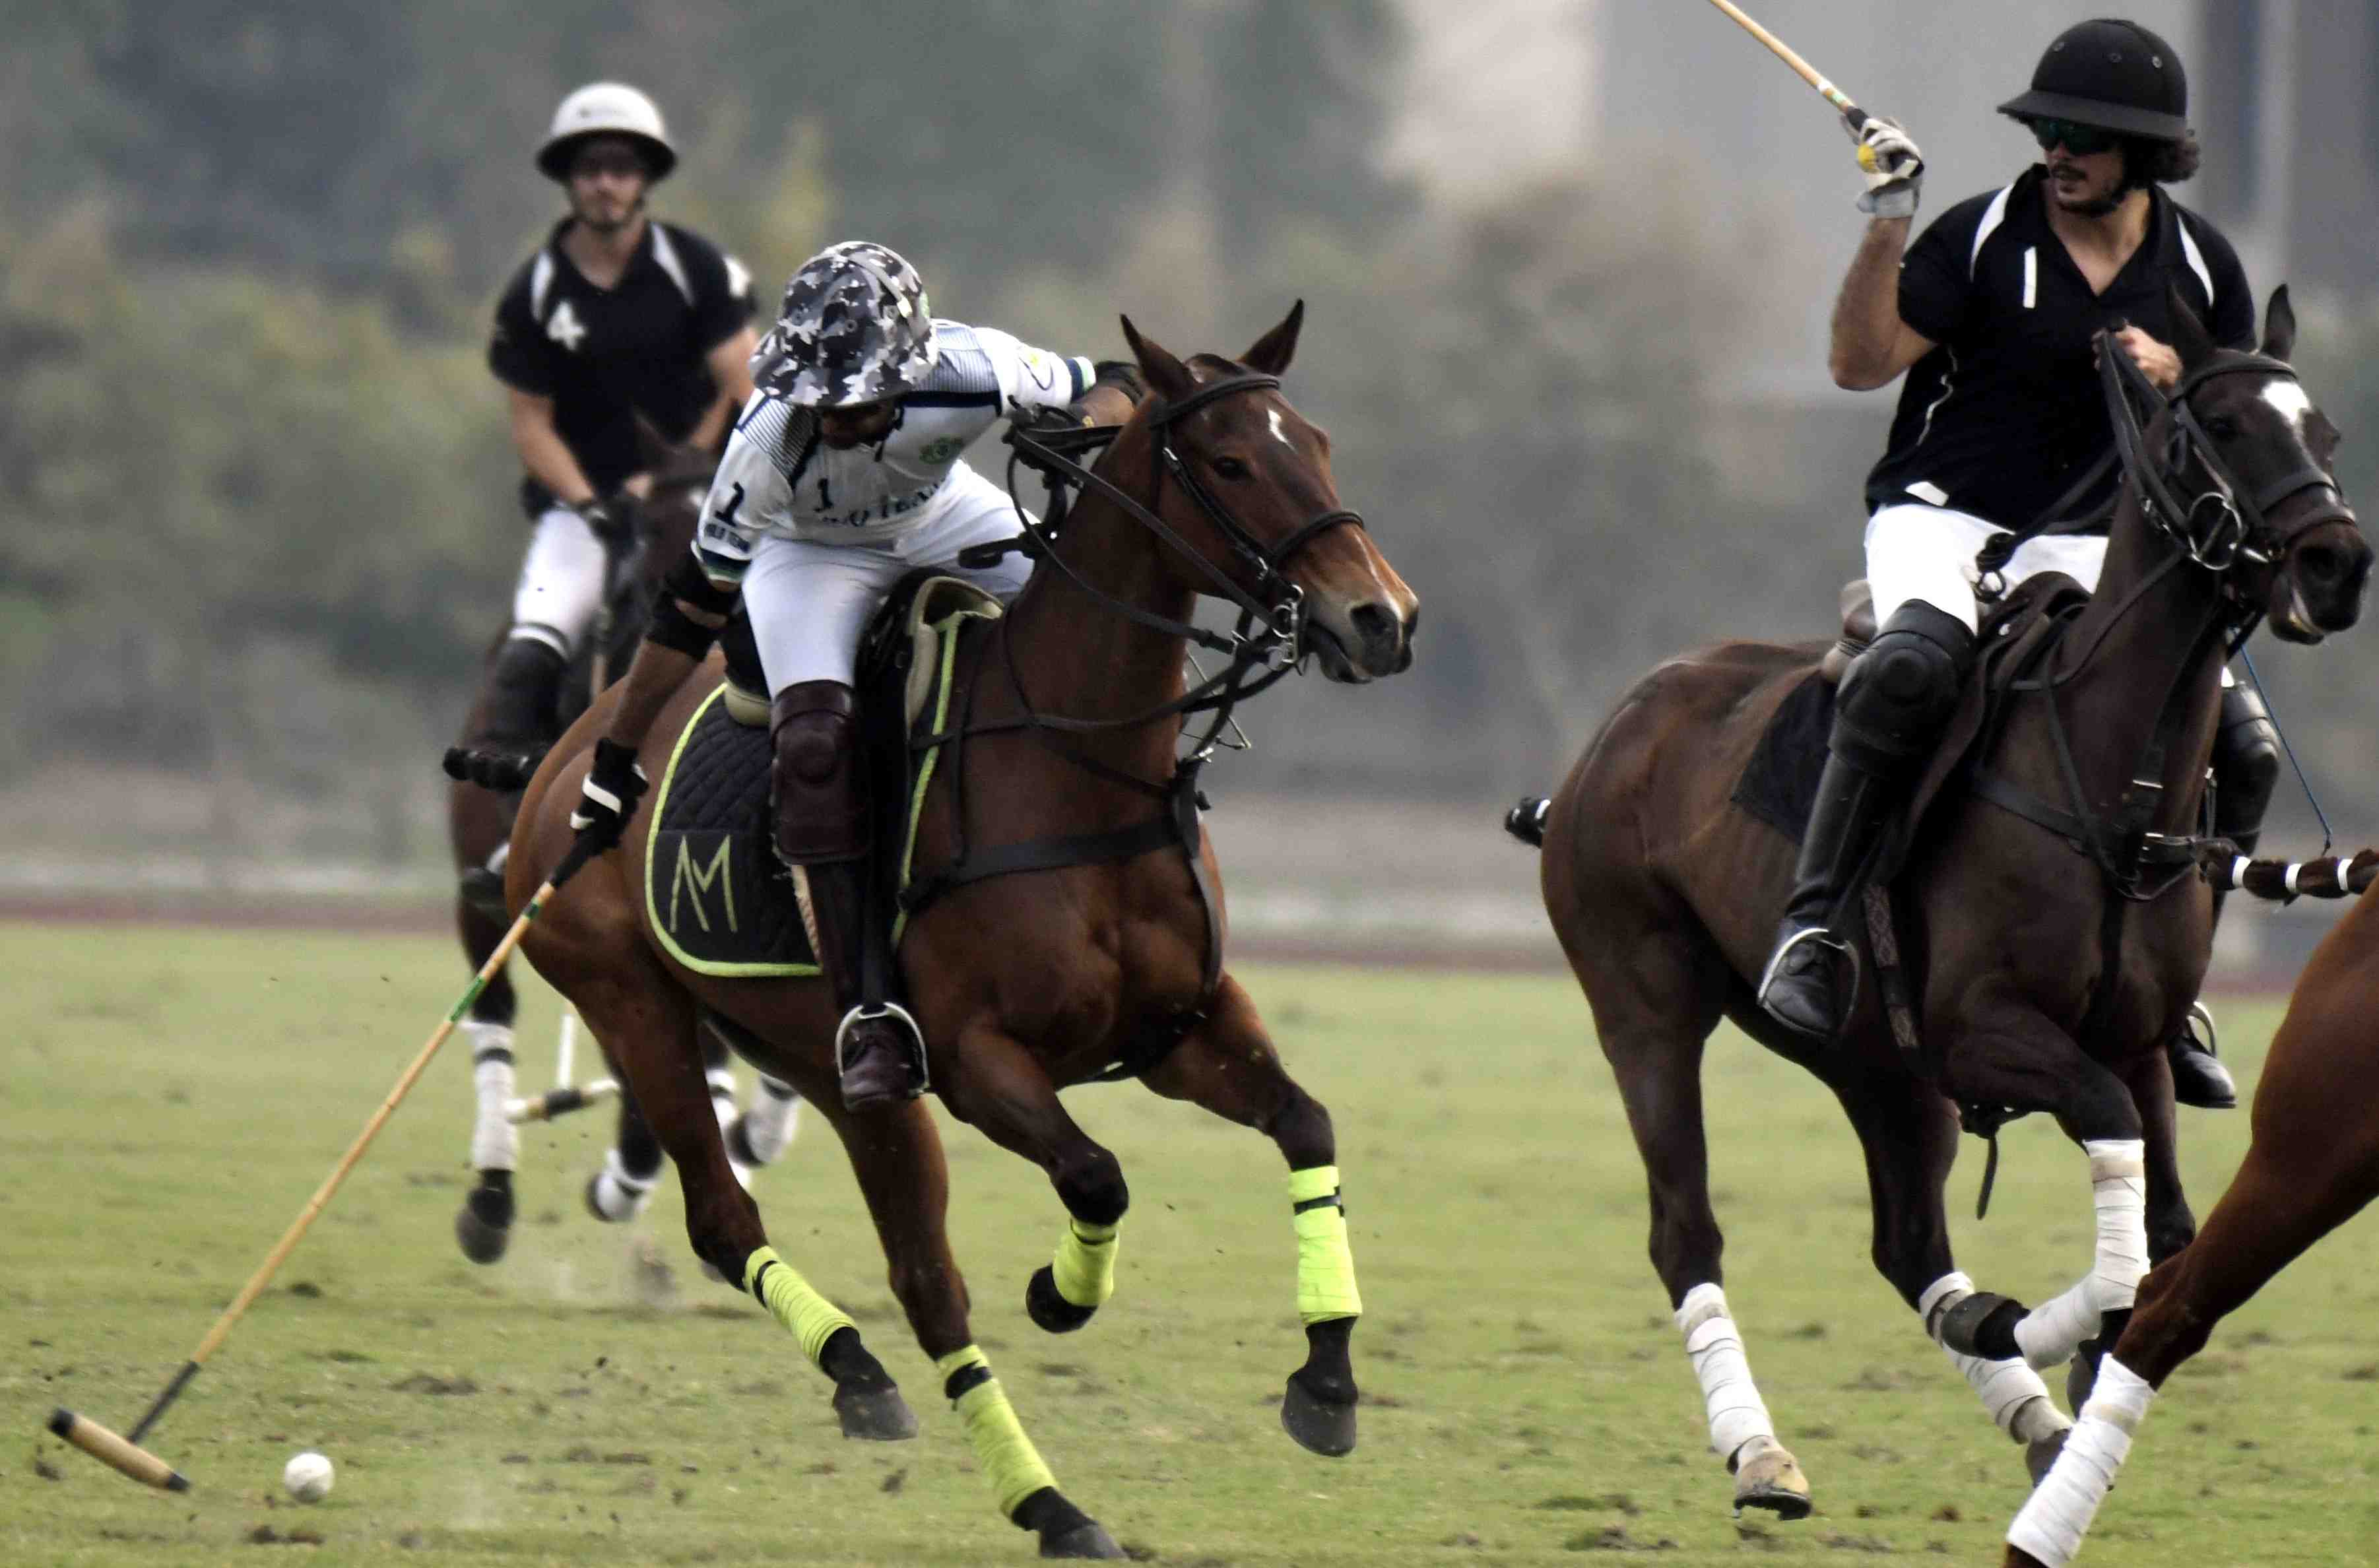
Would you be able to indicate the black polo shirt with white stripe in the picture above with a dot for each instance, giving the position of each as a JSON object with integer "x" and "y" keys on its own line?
{"x": 605, "y": 356}
{"x": 2005, "y": 413}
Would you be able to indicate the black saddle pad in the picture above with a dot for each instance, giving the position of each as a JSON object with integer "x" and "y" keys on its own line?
{"x": 1778, "y": 785}
{"x": 717, "y": 896}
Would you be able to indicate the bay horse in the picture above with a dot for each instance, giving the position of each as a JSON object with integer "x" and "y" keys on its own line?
{"x": 2040, "y": 981}
{"x": 2313, "y": 1164}
{"x": 478, "y": 833}
{"x": 1029, "y": 979}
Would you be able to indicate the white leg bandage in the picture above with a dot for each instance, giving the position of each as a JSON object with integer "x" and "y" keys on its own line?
{"x": 1737, "y": 1413}
{"x": 2052, "y": 1332}
{"x": 618, "y": 1195}
{"x": 495, "y": 1143}
{"x": 722, "y": 1096}
{"x": 770, "y": 1119}
{"x": 2053, "y": 1521}
{"x": 2018, "y": 1401}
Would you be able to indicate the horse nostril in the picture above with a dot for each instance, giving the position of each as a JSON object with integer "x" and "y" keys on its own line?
{"x": 1376, "y": 625}
{"x": 2321, "y": 564}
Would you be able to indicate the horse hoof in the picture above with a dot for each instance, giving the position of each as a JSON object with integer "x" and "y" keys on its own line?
{"x": 1049, "y": 1310}
{"x": 1087, "y": 1540}
{"x": 484, "y": 1224}
{"x": 874, "y": 1414}
{"x": 1323, "y": 1426}
{"x": 1771, "y": 1479}
{"x": 1984, "y": 1324}
{"x": 2040, "y": 1457}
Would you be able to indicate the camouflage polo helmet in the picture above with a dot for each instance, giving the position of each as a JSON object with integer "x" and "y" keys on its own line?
{"x": 854, "y": 328}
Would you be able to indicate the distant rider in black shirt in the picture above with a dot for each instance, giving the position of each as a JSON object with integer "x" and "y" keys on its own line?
{"x": 1992, "y": 315}
{"x": 616, "y": 317}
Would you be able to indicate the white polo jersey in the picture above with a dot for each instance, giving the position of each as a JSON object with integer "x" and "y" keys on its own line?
{"x": 779, "y": 479}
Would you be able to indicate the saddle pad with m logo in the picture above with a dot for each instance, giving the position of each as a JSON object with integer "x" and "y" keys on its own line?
{"x": 715, "y": 892}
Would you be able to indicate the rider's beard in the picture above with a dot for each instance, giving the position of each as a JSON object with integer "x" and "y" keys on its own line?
{"x": 608, "y": 216}
{"x": 2080, "y": 203}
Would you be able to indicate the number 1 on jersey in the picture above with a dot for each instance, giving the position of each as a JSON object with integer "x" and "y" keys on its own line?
{"x": 826, "y": 498}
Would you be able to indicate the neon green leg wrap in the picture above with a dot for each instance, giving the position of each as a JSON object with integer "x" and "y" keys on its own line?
{"x": 1085, "y": 1267}
{"x": 997, "y": 1437}
{"x": 1325, "y": 1266}
{"x": 807, "y": 1316}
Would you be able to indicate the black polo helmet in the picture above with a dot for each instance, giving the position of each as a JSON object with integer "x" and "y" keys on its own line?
{"x": 2113, "y": 74}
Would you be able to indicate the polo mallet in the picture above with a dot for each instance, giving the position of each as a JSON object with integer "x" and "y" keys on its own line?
{"x": 564, "y": 1096}
{"x": 124, "y": 1452}
{"x": 1854, "y": 116}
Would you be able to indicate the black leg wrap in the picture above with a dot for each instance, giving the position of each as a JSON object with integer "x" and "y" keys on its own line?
{"x": 523, "y": 689}
{"x": 1984, "y": 1324}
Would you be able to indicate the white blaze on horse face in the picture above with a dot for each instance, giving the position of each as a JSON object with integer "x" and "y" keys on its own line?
{"x": 1273, "y": 415}
{"x": 2289, "y": 399}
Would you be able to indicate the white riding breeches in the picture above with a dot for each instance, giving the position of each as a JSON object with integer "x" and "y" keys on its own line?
{"x": 810, "y": 601}
{"x": 1927, "y": 552}
{"x": 560, "y": 585}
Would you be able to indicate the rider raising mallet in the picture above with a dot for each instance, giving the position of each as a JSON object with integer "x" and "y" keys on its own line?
{"x": 842, "y": 475}
{"x": 1991, "y": 315}
{"x": 616, "y": 319}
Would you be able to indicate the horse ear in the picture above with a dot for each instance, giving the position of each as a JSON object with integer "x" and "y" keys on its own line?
{"x": 2279, "y": 325}
{"x": 1277, "y": 347}
{"x": 2190, "y": 338}
{"x": 1168, "y": 376}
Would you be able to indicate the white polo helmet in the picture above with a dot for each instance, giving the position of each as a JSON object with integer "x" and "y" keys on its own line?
{"x": 607, "y": 108}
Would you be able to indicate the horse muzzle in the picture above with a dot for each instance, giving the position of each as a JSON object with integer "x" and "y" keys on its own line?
{"x": 2320, "y": 588}
{"x": 1360, "y": 642}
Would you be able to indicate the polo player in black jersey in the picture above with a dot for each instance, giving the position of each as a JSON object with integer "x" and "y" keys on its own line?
{"x": 1992, "y": 315}
{"x": 617, "y": 317}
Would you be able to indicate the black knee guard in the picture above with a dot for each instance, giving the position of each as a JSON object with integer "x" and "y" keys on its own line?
{"x": 1899, "y": 694}
{"x": 2246, "y": 767}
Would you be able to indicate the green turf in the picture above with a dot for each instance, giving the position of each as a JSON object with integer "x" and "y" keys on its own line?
{"x": 169, "y": 1099}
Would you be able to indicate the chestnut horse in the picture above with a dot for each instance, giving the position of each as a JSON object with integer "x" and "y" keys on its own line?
{"x": 2041, "y": 980}
{"x": 1031, "y": 981}
{"x": 479, "y": 829}
{"x": 2313, "y": 1166}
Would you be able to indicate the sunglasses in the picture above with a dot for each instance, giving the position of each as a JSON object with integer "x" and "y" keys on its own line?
{"x": 625, "y": 165}
{"x": 2080, "y": 140}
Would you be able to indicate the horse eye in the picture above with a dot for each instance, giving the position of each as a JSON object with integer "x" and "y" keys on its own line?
{"x": 2221, "y": 428}
{"x": 1230, "y": 468}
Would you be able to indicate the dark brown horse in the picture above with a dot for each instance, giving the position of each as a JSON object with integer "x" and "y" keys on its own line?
{"x": 2313, "y": 1165}
{"x": 2029, "y": 994}
{"x": 479, "y": 829}
{"x": 1028, "y": 983}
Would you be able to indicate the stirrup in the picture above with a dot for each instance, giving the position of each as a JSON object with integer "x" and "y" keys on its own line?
{"x": 2198, "y": 1029}
{"x": 892, "y": 1010}
{"x": 1820, "y": 936}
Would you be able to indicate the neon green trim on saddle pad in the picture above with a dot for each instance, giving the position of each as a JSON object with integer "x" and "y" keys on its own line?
{"x": 946, "y": 631}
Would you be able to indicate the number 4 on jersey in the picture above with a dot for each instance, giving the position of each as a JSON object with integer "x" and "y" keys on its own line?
{"x": 564, "y": 327}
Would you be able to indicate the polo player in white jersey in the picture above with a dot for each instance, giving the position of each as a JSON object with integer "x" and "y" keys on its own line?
{"x": 842, "y": 475}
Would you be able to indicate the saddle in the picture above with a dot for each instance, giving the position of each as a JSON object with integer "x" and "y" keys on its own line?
{"x": 717, "y": 894}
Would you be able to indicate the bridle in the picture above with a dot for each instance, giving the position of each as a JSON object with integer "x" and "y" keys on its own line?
{"x": 1270, "y": 638}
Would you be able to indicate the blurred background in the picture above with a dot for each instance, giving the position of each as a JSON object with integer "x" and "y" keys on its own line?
{"x": 1568, "y": 263}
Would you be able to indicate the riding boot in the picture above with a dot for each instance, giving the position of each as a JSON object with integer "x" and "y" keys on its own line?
{"x": 1813, "y": 974}
{"x": 822, "y": 828}
{"x": 1887, "y": 716}
{"x": 2246, "y": 769}
{"x": 516, "y": 714}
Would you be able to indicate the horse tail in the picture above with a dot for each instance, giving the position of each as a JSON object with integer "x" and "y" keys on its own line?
{"x": 1526, "y": 821}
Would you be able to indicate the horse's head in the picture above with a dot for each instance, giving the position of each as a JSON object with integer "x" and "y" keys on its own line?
{"x": 2247, "y": 458}
{"x": 1245, "y": 480}
{"x": 671, "y": 508}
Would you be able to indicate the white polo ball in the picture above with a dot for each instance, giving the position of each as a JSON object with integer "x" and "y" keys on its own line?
{"x": 307, "y": 1477}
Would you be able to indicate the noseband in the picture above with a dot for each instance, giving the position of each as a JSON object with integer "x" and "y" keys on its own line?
{"x": 2224, "y": 523}
{"x": 1272, "y": 616}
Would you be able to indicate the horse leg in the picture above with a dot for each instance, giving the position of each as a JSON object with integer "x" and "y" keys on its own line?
{"x": 2170, "y": 1225}
{"x": 1656, "y": 984}
{"x": 2016, "y": 1057}
{"x": 483, "y": 1225}
{"x": 1910, "y": 1136}
{"x": 762, "y": 1134}
{"x": 647, "y": 1024}
{"x": 632, "y": 1167}
{"x": 1006, "y": 1093}
{"x": 1228, "y": 1064}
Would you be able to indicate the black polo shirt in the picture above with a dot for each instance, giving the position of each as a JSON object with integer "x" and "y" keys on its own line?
{"x": 604, "y": 355}
{"x": 2006, "y": 411}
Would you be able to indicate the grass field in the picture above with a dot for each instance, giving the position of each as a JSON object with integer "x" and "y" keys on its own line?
{"x": 169, "y": 1098}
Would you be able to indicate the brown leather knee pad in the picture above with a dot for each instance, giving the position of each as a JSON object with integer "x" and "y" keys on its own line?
{"x": 820, "y": 775}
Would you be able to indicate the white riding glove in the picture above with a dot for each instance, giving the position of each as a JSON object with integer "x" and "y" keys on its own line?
{"x": 1893, "y": 167}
